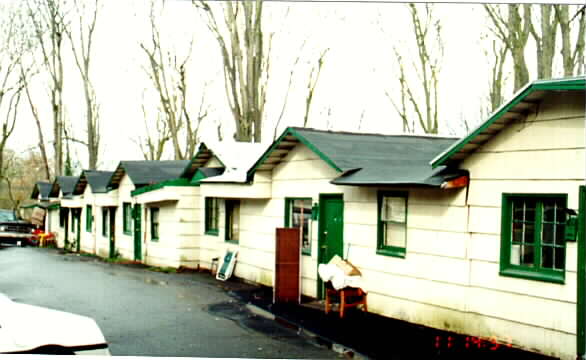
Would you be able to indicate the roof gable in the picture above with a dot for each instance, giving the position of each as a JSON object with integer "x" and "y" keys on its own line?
{"x": 97, "y": 179}
{"x": 524, "y": 101}
{"x": 361, "y": 158}
{"x": 203, "y": 155}
{"x": 63, "y": 185}
{"x": 42, "y": 188}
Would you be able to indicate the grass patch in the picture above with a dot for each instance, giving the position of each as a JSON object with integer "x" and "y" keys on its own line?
{"x": 114, "y": 260}
{"x": 167, "y": 270}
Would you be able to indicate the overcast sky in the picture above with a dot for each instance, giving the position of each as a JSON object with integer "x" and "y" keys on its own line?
{"x": 357, "y": 71}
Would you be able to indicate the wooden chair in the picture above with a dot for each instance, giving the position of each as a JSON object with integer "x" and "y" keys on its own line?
{"x": 349, "y": 297}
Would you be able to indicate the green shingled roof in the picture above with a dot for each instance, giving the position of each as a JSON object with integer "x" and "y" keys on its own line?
{"x": 364, "y": 159}
{"x": 42, "y": 188}
{"x": 147, "y": 172}
{"x": 97, "y": 179}
{"x": 64, "y": 183}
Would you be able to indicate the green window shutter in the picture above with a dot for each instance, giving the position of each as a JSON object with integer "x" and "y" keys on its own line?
{"x": 211, "y": 216}
{"x": 88, "y": 218}
{"x": 154, "y": 224}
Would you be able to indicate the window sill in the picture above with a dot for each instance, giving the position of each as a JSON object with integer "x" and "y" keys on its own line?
{"x": 155, "y": 240}
{"x": 232, "y": 241}
{"x": 394, "y": 252}
{"x": 306, "y": 253}
{"x": 533, "y": 275}
{"x": 212, "y": 232}
{"x": 127, "y": 232}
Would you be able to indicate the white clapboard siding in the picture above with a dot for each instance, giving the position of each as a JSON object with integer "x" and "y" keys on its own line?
{"x": 486, "y": 275}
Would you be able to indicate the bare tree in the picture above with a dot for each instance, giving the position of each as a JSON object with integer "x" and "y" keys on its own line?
{"x": 47, "y": 17}
{"x": 81, "y": 47}
{"x": 152, "y": 144}
{"x": 513, "y": 30}
{"x": 246, "y": 64}
{"x": 168, "y": 74}
{"x": 545, "y": 41}
{"x": 497, "y": 76}
{"x": 427, "y": 31}
{"x": 35, "y": 113}
{"x": 311, "y": 84}
{"x": 14, "y": 47}
{"x": 573, "y": 61}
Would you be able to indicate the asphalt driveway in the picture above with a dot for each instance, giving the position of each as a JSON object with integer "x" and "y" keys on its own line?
{"x": 147, "y": 313}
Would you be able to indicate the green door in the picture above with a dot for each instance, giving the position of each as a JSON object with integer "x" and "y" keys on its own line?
{"x": 137, "y": 233}
{"x": 581, "y": 277}
{"x": 112, "y": 231}
{"x": 331, "y": 231}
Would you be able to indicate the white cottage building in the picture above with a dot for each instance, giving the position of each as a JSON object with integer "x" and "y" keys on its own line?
{"x": 130, "y": 217}
{"x": 174, "y": 208}
{"x": 477, "y": 241}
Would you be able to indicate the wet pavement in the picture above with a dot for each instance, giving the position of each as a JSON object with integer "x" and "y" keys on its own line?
{"x": 190, "y": 313}
{"x": 149, "y": 313}
{"x": 367, "y": 335}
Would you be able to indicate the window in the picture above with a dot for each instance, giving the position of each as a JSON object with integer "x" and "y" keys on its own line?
{"x": 154, "y": 224}
{"x": 392, "y": 223}
{"x": 232, "y": 220}
{"x": 532, "y": 236}
{"x": 298, "y": 215}
{"x": 211, "y": 215}
{"x": 88, "y": 218}
{"x": 127, "y": 218}
{"x": 105, "y": 222}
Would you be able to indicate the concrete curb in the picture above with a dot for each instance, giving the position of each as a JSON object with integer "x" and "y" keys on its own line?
{"x": 338, "y": 348}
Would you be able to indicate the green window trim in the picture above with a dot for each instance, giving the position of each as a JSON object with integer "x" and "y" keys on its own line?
{"x": 382, "y": 248}
{"x": 232, "y": 224}
{"x": 155, "y": 224}
{"x": 88, "y": 218}
{"x": 105, "y": 222}
{"x": 127, "y": 218}
{"x": 535, "y": 270}
{"x": 212, "y": 215}
{"x": 305, "y": 248}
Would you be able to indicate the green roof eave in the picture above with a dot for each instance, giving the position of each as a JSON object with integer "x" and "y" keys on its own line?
{"x": 303, "y": 140}
{"x": 202, "y": 147}
{"x": 162, "y": 184}
{"x": 577, "y": 83}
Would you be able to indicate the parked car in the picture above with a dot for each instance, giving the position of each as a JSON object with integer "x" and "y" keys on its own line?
{"x": 13, "y": 230}
{"x": 28, "y": 329}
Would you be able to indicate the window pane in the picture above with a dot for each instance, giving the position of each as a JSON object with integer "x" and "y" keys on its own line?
{"x": 518, "y": 232}
{"x": 300, "y": 215}
{"x": 527, "y": 255}
{"x": 394, "y": 234}
{"x": 530, "y": 206}
{"x": 559, "y": 234}
{"x": 553, "y": 210}
{"x": 548, "y": 233}
{"x": 559, "y": 259}
{"x": 393, "y": 209}
{"x": 529, "y": 233}
{"x": 547, "y": 257}
{"x": 516, "y": 255}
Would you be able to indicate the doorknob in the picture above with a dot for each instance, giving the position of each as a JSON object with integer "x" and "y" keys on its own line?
{"x": 325, "y": 232}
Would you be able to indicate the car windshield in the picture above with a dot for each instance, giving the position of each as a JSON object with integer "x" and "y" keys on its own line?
{"x": 7, "y": 215}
